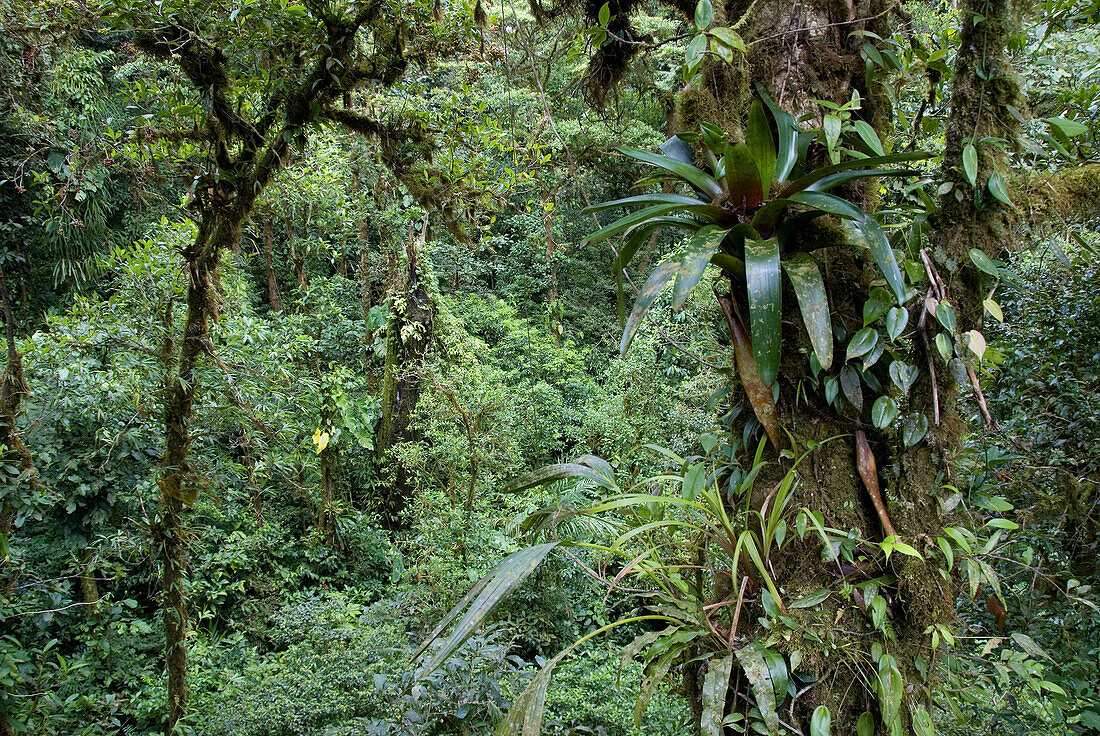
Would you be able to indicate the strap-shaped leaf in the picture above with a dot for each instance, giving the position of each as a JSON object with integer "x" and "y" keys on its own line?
{"x": 715, "y": 685}
{"x": 826, "y": 183}
{"x": 679, "y": 149}
{"x": 697, "y": 254}
{"x": 743, "y": 177}
{"x": 629, "y": 221}
{"x": 729, "y": 264}
{"x": 867, "y": 231}
{"x": 804, "y": 182}
{"x": 787, "y": 131}
{"x": 648, "y": 199}
{"x": 805, "y": 278}
{"x": 765, "y": 305}
{"x": 751, "y": 659}
{"x": 761, "y": 146}
{"x": 829, "y": 203}
{"x": 694, "y": 176}
{"x": 629, "y": 249}
{"x": 560, "y": 471}
{"x": 649, "y": 293}
{"x": 491, "y": 590}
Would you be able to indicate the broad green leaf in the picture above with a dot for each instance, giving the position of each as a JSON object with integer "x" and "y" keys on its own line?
{"x": 751, "y": 659}
{"x": 489, "y": 591}
{"x": 994, "y": 309}
{"x": 970, "y": 164}
{"x": 868, "y": 232}
{"x": 805, "y": 278}
{"x": 944, "y": 345}
{"x": 903, "y": 375}
{"x": 1068, "y": 128}
{"x": 648, "y": 294}
{"x": 694, "y": 176}
{"x": 945, "y": 314}
{"x": 729, "y": 37}
{"x": 922, "y": 722}
{"x": 693, "y": 55}
{"x": 877, "y": 304}
{"x": 826, "y": 183}
{"x": 743, "y": 177}
{"x": 697, "y": 254}
{"x": 884, "y": 411}
{"x": 896, "y": 320}
{"x": 715, "y": 685}
{"x": 647, "y": 199}
{"x": 1028, "y": 645}
{"x": 862, "y": 342}
{"x": 695, "y": 480}
{"x": 655, "y": 675}
{"x": 704, "y": 14}
{"x": 765, "y": 305}
{"x": 832, "y": 125}
{"x": 761, "y": 147}
{"x": 914, "y": 429}
{"x": 869, "y": 136}
{"x": 821, "y": 721}
{"x": 812, "y": 599}
{"x": 865, "y": 726}
{"x": 850, "y": 385}
{"x": 984, "y": 263}
{"x": 777, "y": 668}
{"x": 604, "y": 16}
{"x": 998, "y": 189}
{"x": 787, "y": 130}
{"x": 551, "y": 473}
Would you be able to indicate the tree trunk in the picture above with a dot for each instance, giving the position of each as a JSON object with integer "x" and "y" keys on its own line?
{"x": 219, "y": 229}
{"x": 273, "y": 297}
{"x": 407, "y": 340}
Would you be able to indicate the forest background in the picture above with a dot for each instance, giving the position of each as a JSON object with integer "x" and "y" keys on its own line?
{"x": 297, "y": 297}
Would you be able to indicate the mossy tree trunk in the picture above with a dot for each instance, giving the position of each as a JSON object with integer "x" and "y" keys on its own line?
{"x": 801, "y": 52}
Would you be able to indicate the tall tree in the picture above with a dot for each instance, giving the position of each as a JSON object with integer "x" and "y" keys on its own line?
{"x": 245, "y": 118}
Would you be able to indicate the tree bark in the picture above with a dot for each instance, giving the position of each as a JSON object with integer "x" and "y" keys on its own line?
{"x": 273, "y": 297}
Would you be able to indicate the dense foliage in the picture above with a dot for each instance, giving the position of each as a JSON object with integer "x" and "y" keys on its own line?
{"x": 323, "y": 320}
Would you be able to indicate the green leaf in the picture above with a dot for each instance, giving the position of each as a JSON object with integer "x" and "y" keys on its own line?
{"x": 826, "y": 183}
{"x": 695, "y": 480}
{"x": 693, "y": 55}
{"x": 694, "y": 176}
{"x": 787, "y": 130}
{"x": 1068, "y": 128}
{"x": 648, "y": 199}
{"x": 865, "y": 726}
{"x": 761, "y": 147}
{"x": 868, "y": 232}
{"x": 970, "y": 164}
{"x": 825, "y": 172}
{"x": 829, "y": 203}
{"x": 648, "y": 294}
{"x": 777, "y": 669}
{"x": 896, "y": 320}
{"x": 809, "y": 288}
{"x": 743, "y": 177}
{"x": 903, "y": 375}
{"x": 561, "y": 471}
{"x": 751, "y": 659}
{"x": 821, "y": 721}
{"x": 869, "y": 136}
{"x": 850, "y": 385}
{"x": 884, "y": 411}
{"x": 812, "y": 599}
{"x": 1028, "y": 645}
{"x": 914, "y": 429}
{"x": 715, "y": 685}
{"x": 704, "y": 14}
{"x": 998, "y": 190}
{"x": 862, "y": 342}
{"x": 765, "y": 305}
{"x": 485, "y": 595}
{"x": 632, "y": 220}
{"x": 983, "y": 262}
{"x": 945, "y": 314}
{"x": 697, "y": 254}
{"x": 729, "y": 37}
{"x": 605, "y": 14}
{"x": 832, "y": 125}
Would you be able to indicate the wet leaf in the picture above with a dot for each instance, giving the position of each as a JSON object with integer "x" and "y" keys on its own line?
{"x": 862, "y": 342}
{"x": 715, "y": 685}
{"x": 765, "y": 305}
{"x": 761, "y": 146}
{"x": 809, "y": 289}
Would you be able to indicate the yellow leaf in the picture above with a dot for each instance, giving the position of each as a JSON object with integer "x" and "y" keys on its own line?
{"x": 320, "y": 439}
